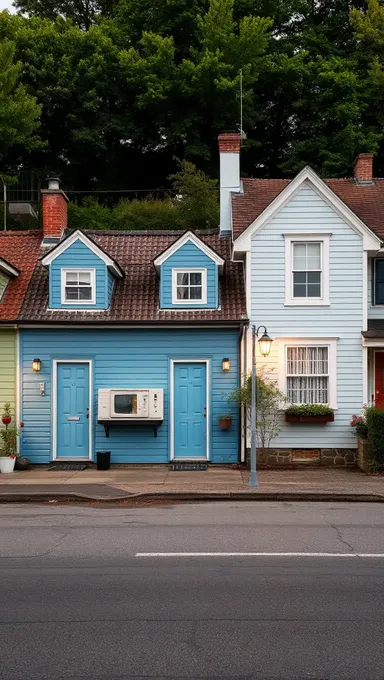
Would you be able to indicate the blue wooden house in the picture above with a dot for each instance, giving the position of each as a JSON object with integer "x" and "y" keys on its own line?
{"x": 130, "y": 342}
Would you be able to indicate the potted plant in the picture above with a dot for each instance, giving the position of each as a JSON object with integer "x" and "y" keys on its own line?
{"x": 9, "y": 436}
{"x": 225, "y": 420}
{"x": 309, "y": 413}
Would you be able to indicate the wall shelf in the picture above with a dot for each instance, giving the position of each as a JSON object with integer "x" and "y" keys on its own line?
{"x": 107, "y": 423}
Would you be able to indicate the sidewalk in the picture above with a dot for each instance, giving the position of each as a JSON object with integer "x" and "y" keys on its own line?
{"x": 118, "y": 484}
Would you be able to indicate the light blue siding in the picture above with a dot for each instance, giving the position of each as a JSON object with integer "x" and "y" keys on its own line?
{"x": 128, "y": 358}
{"x": 308, "y": 213}
{"x": 79, "y": 256}
{"x": 188, "y": 255}
{"x": 111, "y": 286}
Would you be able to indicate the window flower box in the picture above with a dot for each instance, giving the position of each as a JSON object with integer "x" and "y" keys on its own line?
{"x": 309, "y": 413}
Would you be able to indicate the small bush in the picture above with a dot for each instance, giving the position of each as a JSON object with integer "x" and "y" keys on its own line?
{"x": 151, "y": 213}
{"x": 309, "y": 410}
{"x": 90, "y": 214}
{"x": 375, "y": 424}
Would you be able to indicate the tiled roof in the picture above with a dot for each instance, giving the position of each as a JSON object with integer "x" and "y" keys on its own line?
{"x": 365, "y": 200}
{"x": 21, "y": 250}
{"x": 136, "y": 297}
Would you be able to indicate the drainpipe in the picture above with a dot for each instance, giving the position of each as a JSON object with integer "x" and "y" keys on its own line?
{"x": 242, "y": 418}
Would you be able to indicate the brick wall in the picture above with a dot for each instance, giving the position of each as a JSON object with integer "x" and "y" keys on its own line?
{"x": 54, "y": 213}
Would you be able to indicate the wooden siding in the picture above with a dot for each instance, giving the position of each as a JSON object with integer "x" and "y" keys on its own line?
{"x": 7, "y": 368}
{"x": 186, "y": 256}
{"x": 111, "y": 286}
{"x": 308, "y": 213}
{"x": 78, "y": 256}
{"x": 131, "y": 358}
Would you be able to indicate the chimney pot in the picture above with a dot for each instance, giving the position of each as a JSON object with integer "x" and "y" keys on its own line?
{"x": 363, "y": 168}
{"x": 53, "y": 183}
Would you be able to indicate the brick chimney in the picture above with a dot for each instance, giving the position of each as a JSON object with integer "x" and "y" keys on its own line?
{"x": 229, "y": 149}
{"x": 54, "y": 210}
{"x": 362, "y": 169}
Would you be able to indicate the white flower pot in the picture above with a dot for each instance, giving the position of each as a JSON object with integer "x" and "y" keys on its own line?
{"x": 7, "y": 464}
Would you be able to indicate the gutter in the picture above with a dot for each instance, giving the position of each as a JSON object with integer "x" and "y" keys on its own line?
{"x": 83, "y": 323}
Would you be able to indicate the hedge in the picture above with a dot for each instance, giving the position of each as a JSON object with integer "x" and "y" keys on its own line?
{"x": 375, "y": 424}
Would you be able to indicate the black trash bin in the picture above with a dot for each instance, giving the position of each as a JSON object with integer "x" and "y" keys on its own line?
{"x": 103, "y": 460}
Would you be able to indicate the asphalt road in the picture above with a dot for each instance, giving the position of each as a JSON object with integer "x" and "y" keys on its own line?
{"x": 76, "y": 600}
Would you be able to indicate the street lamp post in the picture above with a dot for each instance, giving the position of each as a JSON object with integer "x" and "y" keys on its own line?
{"x": 265, "y": 343}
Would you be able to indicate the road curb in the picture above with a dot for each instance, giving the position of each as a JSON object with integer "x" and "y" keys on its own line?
{"x": 196, "y": 496}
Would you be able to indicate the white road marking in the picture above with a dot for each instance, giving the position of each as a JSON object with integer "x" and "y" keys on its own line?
{"x": 256, "y": 554}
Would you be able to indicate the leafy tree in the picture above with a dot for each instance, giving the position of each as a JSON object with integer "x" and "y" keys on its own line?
{"x": 83, "y": 13}
{"x": 197, "y": 199}
{"x": 269, "y": 401}
{"x": 19, "y": 112}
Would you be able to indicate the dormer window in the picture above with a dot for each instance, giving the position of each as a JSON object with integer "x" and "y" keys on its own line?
{"x": 189, "y": 286}
{"x": 78, "y": 286}
{"x": 3, "y": 283}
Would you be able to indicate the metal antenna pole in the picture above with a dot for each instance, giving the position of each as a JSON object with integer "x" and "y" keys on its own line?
{"x": 253, "y": 477}
{"x": 241, "y": 103}
{"x": 5, "y": 205}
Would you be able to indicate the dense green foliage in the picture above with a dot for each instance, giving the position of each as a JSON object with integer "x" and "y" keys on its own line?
{"x": 127, "y": 86}
{"x": 375, "y": 424}
{"x": 19, "y": 112}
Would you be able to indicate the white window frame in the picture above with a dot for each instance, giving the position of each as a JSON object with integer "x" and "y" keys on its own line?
{"x": 290, "y": 240}
{"x": 78, "y": 303}
{"x": 190, "y": 270}
{"x": 330, "y": 343}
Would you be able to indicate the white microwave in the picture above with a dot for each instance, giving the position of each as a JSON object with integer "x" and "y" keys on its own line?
{"x": 130, "y": 404}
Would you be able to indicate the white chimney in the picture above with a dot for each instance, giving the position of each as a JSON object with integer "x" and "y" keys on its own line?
{"x": 229, "y": 148}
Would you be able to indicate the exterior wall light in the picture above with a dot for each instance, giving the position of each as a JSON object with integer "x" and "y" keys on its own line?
{"x": 265, "y": 343}
{"x": 36, "y": 365}
{"x": 226, "y": 365}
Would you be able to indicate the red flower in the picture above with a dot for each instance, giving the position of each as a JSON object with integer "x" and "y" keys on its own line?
{"x": 21, "y": 424}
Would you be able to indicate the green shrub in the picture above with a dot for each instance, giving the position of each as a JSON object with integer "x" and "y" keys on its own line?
{"x": 90, "y": 214}
{"x": 151, "y": 213}
{"x": 309, "y": 410}
{"x": 375, "y": 424}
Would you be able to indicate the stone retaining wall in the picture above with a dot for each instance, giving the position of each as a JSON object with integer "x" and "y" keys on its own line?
{"x": 293, "y": 457}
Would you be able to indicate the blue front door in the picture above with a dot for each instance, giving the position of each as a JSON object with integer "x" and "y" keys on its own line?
{"x": 72, "y": 410}
{"x": 190, "y": 410}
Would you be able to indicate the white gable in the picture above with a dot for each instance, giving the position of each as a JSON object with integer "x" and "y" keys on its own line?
{"x": 307, "y": 181}
{"x": 188, "y": 237}
{"x": 79, "y": 236}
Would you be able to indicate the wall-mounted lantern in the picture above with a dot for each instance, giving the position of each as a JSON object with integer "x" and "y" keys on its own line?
{"x": 36, "y": 365}
{"x": 226, "y": 365}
